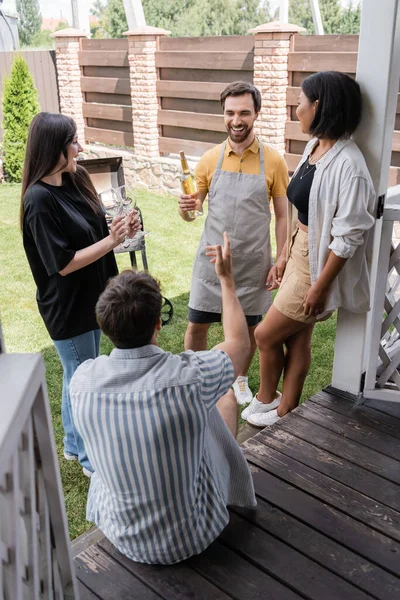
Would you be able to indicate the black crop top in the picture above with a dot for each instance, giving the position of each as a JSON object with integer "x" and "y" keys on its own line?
{"x": 298, "y": 191}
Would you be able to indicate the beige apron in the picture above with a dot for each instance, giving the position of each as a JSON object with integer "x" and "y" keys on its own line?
{"x": 238, "y": 204}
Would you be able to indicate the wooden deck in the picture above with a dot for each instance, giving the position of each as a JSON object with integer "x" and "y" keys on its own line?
{"x": 327, "y": 525}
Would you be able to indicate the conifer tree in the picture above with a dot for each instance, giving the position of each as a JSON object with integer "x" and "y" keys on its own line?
{"x": 20, "y": 105}
{"x": 30, "y": 20}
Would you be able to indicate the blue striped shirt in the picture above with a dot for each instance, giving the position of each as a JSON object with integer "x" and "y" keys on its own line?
{"x": 166, "y": 465}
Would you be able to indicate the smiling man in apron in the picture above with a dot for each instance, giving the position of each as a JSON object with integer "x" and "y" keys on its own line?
{"x": 240, "y": 177}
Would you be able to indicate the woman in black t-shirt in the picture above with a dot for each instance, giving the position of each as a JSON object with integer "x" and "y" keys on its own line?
{"x": 69, "y": 250}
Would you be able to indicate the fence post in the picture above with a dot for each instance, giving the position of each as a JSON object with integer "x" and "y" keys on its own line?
{"x": 68, "y": 45}
{"x": 271, "y": 53}
{"x": 143, "y": 45}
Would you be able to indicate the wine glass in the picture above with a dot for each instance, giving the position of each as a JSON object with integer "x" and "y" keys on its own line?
{"x": 120, "y": 201}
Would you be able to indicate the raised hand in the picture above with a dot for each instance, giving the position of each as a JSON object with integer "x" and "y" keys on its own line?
{"x": 221, "y": 258}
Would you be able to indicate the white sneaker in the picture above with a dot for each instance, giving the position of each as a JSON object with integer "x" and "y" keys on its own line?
{"x": 256, "y": 406}
{"x": 69, "y": 456}
{"x": 264, "y": 419}
{"x": 87, "y": 472}
{"x": 242, "y": 391}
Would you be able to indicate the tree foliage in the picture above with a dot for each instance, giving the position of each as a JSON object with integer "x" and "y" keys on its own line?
{"x": 20, "y": 105}
{"x": 30, "y": 20}
{"x": 185, "y": 17}
{"x": 351, "y": 19}
{"x": 44, "y": 40}
{"x": 335, "y": 18}
{"x": 112, "y": 19}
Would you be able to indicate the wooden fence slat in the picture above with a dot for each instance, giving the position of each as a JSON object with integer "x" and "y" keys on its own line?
{"x": 191, "y": 148}
{"x": 394, "y": 176}
{"x": 194, "y": 135}
{"x": 209, "y": 107}
{"x": 109, "y": 124}
{"x": 103, "y": 58}
{"x": 292, "y": 160}
{"x": 106, "y": 85}
{"x": 292, "y": 96}
{"x": 223, "y": 43}
{"x": 192, "y": 90}
{"x": 205, "y": 75}
{"x": 107, "y": 111}
{"x": 192, "y": 120}
{"x": 294, "y": 132}
{"x": 107, "y": 136}
{"x": 322, "y": 61}
{"x": 396, "y": 141}
{"x": 206, "y": 60}
{"x": 326, "y": 43}
{"x": 107, "y": 72}
{"x": 122, "y": 100}
{"x": 105, "y": 44}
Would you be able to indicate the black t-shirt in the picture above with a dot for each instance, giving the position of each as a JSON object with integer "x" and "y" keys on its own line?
{"x": 298, "y": 191}
{"x": 58, "y": 221}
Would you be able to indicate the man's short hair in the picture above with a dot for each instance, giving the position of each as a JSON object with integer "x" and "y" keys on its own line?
{"x": 129, "y": 308}
{"x": 239, "y": 88}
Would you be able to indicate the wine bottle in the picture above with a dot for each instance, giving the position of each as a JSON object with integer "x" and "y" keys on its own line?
{"x": 188, "y": 184}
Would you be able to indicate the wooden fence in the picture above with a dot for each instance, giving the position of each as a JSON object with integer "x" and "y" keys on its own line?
{"x": 192, "y": 74}
{"x": 105, "y": 83}
{"x": 42, "y": 66}
{"x": 308, "y": 55}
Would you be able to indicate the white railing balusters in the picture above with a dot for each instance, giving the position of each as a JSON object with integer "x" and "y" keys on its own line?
{"x": 46, "y": 569}
{"x": 35, "y": 556}
{"x": 382, "y": 380}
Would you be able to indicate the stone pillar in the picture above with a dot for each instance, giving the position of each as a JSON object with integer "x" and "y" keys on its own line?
{"x": 68, "y": 45}
{"x": 271, "y": 52}
{"x": 143, "y": 44}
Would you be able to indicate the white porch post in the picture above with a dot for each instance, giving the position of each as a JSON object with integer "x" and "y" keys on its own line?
{"x": 378, "y": 72}
{"x": 284, "y": 11}
{"x": 316, "y": 15}
{"x": 134, "y": 14}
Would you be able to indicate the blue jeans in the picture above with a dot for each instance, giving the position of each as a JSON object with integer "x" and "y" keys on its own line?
{"x": 72, "y": 353}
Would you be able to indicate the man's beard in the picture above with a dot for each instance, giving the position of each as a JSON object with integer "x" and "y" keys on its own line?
{"x": 239, "y": 138}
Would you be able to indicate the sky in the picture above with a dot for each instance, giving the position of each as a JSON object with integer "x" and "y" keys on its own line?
{"x": 62, "y": 8}
{"x": 59, "y": 9}
{"x": 50, "y": 8}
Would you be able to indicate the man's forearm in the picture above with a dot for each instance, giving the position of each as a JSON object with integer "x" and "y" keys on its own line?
{"x": 280, "y": 235}
{"x": 233, "y": 319}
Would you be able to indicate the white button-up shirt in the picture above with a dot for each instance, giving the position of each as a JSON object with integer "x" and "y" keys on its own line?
{"x": 341, "y": 209}
{"x": 166, "y": 465}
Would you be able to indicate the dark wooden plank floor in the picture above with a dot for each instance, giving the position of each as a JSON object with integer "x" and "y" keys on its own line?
{"x": 327, "y": 525}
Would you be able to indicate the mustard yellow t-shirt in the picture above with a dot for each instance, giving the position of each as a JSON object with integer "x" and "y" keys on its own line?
{"x": 276, "y": 171}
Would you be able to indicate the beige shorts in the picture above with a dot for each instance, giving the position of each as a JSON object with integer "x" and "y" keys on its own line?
{"x": 296, "y": 281}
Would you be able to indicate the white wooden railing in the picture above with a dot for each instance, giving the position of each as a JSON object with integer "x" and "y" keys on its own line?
{"x": 35, "y": 551}
{"x": 382, "y": 380}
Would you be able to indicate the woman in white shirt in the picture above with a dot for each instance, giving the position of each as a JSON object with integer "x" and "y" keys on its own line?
{"x": 323, "y": 265}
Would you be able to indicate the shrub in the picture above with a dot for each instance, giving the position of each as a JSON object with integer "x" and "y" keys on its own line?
{"x": 20, "y": 105}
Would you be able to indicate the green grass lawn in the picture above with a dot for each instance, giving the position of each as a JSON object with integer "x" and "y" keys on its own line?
{"x": 170, "y": 252}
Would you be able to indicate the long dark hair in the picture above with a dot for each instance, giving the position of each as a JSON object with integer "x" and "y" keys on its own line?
{"x": 49, "y": 136}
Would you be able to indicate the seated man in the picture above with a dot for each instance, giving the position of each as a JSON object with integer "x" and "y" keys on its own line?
{"x": 160, "y": 428}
